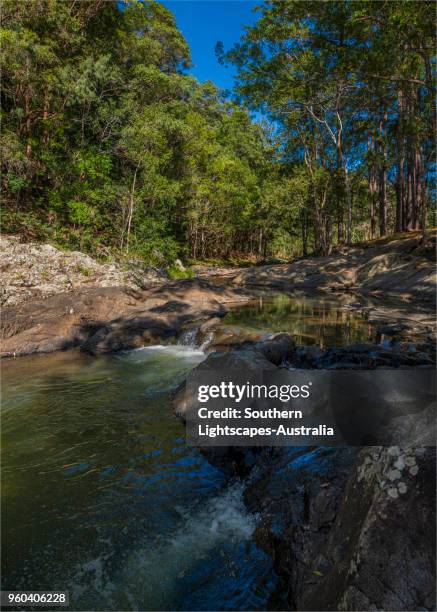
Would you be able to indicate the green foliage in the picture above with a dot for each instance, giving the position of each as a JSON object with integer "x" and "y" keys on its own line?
{"x": 80, "y": 213}
{"x": 351, "y": 86}
{"x": 153, "y": 242}
{"x": 176, "y": 273}
{"x": 108, "y": 145}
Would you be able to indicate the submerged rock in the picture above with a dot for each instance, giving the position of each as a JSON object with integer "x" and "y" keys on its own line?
{"x": 365, "y": 356}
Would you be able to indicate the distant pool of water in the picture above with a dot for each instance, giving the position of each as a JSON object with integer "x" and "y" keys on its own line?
{"x": 315, "y": 320}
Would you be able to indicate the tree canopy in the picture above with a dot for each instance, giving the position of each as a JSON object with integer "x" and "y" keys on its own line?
{"x": 111, "y": 146}
{"x": 351, "y": 84}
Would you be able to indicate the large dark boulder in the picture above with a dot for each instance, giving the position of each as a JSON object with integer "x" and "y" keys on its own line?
{"x": 350, "y": 529}
{"x": 264, "y": 355}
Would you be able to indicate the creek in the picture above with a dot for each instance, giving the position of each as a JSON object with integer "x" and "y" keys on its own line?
{"x": 102, "y": 497}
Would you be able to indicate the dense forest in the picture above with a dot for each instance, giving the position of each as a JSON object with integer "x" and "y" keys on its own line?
{"x": 110, "y": 146}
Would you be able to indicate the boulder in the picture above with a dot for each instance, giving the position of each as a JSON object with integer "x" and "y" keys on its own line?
{"x": 349, "y": 529}
{"x": 235, "y": 460}
{"x": 107, "y": 319}
{"x": 380, "y": 553}
{"x": 32, "y": 271}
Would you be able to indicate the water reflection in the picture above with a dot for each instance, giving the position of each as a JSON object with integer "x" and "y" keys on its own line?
{"x": 313, "y": 321}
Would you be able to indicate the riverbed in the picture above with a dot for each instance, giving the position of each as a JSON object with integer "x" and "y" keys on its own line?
{"x": 102, "y": 497}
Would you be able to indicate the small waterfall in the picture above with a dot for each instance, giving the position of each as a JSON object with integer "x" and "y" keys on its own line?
{"x": 208, "y": 337}
{"x": 189, "y": 337}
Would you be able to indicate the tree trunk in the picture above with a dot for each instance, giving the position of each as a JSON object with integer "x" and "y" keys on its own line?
{"x": 382, "y": 202}
{"x": 318, "y": 232}
{"x": 409, "y": 197}
{"x": 383, "y": 179}
{"x": 423, "y": 212}
{"x": 400, "y": 194}
{"x": 304, "y": 230}
{"x": 260, "y": 242}
{"x": 349, "y": 206}
{"x": 202, "y": 242}
{"x": 318, "y": 219}
{"x": 340, "y": 228}
{"x": 195, "y": 243}
{"x": 131, "y": 206}
{"x": 328, "y": 236}
{"x": 400, "y": 173}
{"x": 417, "y": 183}
{"x": 373, "y": 188}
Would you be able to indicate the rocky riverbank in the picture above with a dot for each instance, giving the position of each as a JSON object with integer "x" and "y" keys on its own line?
{"x": 348, "y": 528}
{"x": 55, "y": 300}
{"x": 108, "y": 319}
{"x": 32, "y": 271}
{"x": 401, "y": 266}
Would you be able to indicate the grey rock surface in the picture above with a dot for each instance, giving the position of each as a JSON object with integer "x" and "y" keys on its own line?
{"x": 31, "y": 271}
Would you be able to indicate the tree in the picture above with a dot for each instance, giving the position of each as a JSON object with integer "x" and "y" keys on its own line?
{"x": 341, "y": 77}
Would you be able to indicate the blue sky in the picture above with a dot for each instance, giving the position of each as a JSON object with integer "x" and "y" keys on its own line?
{"x": 203, "y": 23}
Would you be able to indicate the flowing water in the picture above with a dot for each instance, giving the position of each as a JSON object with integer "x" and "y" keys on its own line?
{"x": 103, "y": 498}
